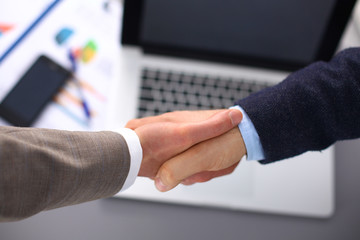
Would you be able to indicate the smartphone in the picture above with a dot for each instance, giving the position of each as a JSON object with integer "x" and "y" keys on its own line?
{"x": 23, "y": 104}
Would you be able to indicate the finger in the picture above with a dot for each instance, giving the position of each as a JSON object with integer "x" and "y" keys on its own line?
{"x": 216, "y": 125}
{"x": 175, "y": 117}
{"x": 207, "y": 176}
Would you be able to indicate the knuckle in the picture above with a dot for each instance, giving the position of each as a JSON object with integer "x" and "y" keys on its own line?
{"x": 216, "y": 164}
{"x": 204, "y": 179}
{"x": 183, "y": 135}
{"x": 165, "y": 117}
{"x": 132, "y": 123}
{"x": 171, "y": 116}
{"x": 167, "y": 175}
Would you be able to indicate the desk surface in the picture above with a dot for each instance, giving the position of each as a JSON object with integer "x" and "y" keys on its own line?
{"x": 125, "y": 219}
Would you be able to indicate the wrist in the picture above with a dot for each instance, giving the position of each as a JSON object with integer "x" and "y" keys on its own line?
{"x": 251, "y": 138}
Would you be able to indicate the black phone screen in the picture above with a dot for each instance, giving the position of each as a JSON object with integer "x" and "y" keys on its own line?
{"x": 33, "y": 91}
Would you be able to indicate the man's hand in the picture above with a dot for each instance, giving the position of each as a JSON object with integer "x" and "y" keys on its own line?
{"x": 165, "y": 136}
{"x": 213, "y": 158}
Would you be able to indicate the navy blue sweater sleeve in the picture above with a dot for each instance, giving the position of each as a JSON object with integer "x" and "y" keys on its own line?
{"x": 310, "y": 110}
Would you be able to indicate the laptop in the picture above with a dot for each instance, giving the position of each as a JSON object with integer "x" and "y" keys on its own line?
{"x": 205, "y": 54}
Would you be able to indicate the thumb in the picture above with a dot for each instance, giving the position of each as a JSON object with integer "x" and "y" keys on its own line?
{"x": 216, "y": 125}
{"x": 198, "y": 159}
{"x": 212, "y": 155}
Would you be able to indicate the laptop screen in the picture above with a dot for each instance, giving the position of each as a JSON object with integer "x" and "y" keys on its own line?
{"x": 279, "y": 32}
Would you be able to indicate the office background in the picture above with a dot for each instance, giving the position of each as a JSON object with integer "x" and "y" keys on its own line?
{"x": 127, "y": 219}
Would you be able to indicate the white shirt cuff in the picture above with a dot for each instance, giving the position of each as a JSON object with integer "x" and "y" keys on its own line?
{"x": 136, "y": 155}
{"x": 251, "y": 138}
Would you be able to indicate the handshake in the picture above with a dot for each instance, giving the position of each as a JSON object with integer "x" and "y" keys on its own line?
{"x": 189, "y": 146}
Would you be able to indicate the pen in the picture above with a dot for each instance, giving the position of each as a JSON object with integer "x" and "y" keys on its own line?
{"x": 77, "y": 83}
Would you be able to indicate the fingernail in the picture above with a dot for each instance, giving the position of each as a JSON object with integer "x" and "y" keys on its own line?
{"x": 235, "y": 116}
{"x": 160, "y": 185}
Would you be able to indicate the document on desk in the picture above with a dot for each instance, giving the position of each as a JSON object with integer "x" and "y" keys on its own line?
{"x": 15, "y": 18}
{"x": 89, "y": 30}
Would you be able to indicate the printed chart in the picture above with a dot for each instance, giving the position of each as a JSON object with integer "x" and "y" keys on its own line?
{"x": 89, "y": 33}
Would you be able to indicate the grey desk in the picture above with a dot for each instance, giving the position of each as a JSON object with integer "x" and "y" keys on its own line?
{"x": 125, "y": 219}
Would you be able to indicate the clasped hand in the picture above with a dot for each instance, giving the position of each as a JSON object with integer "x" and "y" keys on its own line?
{"x": 189, "y": 146}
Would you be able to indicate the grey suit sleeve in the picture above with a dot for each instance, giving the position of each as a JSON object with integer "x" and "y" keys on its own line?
{"x": 43, "y": 169}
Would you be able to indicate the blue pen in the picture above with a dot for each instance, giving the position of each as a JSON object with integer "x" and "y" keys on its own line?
{"x": 77, "y": 83}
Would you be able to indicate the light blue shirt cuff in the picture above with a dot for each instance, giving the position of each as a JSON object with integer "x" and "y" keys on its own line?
{"x": 251, "y": 138}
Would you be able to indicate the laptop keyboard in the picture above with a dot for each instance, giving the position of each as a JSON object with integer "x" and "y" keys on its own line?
{"x": 164, "y": 91}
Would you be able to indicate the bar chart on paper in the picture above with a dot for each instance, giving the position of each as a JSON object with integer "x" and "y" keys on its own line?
{"x": 89, "y": 32}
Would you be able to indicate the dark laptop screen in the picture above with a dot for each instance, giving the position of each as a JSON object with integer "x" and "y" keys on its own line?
{"x": 278, "y": 31}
